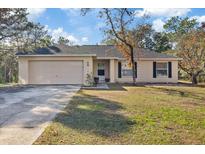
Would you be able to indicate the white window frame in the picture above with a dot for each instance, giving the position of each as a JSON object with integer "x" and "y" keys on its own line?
{"x": 122, "y": 72}
{"x": 158, "y": 69}
{"x": 124, "y": 67}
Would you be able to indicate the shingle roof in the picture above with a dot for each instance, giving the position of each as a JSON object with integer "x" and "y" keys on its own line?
{"x": 99, "y": 50}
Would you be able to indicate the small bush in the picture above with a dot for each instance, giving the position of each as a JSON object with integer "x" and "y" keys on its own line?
{"x": 89, "y": 80}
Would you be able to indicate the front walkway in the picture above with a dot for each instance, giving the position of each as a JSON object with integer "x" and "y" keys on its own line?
{"x": 26, "y": 111}
{"x": 99, "y": 86}
{"x": 102, "y": 86}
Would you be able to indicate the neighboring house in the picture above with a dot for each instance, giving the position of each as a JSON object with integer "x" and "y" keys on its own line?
{"x": 62, "y": 64}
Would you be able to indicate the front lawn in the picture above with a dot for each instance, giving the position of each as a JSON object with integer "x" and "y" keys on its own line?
{"x": 2, "y": 85}
{"x": 7, "y": 84}
{"x": 131, "y": 115}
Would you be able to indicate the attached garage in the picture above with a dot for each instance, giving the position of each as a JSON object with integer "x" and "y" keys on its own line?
{"x": 54, "y": 69}
{"x": 55, "y": 72}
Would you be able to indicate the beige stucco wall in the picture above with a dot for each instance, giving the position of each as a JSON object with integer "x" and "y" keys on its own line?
{"x": 23, "y": 71}
{"x": 145, "y": 73}
{"x": 24, "y": 65}
{"x": 144, "y": 68}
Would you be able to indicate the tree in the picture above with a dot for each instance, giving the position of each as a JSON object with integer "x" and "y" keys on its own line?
{"x": 192, "y": 49}
{"x": 203, "y": 25}
{"x": 18, "y": 34}
{"x": 147, "y": 38}
{"x": 120, "y": 21}
{"x": 144, "y": 36}
{"x": 12, "y": 22}
{"x": 176, "y": 27}
{"x": 161, "y": 42}
{"x": 64, "y": 41}
{"x": 33, "y": 37}
{"x": 119, "y": 27}
{"x": 8, "y": 64}
{"x": 188, "y": 37}
{"x": 47, "y": 40}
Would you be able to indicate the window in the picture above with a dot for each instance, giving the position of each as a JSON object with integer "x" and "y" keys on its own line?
{"x": 161, "y": 69}
{"x": 101, "y": 66}
{"x": 127, "y": 72}
{"x": 101, "y": 72}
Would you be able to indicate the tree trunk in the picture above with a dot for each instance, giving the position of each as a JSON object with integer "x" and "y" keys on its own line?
{"x": 194, "y": 79}
{"x": 5, "y": 72}
{"x": 133, "y": 66}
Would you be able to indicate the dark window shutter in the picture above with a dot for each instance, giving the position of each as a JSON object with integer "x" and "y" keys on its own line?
{"x": 136, "y": 69}
{"x": 119, "y": 69}
{"x": 154, "y": 70}
{"x": 170, "y": 69}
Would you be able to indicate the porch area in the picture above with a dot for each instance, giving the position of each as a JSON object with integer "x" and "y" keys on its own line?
{"x": 104, "y": 70}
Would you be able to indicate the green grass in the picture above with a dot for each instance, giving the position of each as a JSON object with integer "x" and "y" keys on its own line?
{"x": 131, "y": 115}
{"x": 2, "y": 85}
{"x": 7, "y": 84}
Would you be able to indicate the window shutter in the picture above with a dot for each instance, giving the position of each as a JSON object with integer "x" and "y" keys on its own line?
{"x": 170, "y": 69}
{"x": 119, "y": 69}
{"x": 136, "y": 69}
{"x": 154, "y": 70}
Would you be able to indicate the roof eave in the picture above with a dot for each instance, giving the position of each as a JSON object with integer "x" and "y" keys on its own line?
{"x": 62, "y": 55}
{"x": 155, "y": 59}
{"x": 162, "y": 59}
{"x": 107, "y": 58}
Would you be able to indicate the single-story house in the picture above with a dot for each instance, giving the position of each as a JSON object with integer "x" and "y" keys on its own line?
{"x": 61, "y": 64}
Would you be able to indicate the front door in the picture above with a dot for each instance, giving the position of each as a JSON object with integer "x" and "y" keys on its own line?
{"x": 101, "y": 72}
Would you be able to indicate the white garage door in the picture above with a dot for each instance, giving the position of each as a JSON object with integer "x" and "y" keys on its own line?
{"x": 55, "y": 72}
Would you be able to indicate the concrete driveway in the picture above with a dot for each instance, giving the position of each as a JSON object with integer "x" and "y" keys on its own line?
{"x": 26, "y": 111}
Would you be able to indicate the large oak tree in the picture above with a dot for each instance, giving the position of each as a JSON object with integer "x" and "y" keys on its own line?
{"x": 189, "y": 39}
{"x": 120, "y": 24}
{"x": 191, "y": 48}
